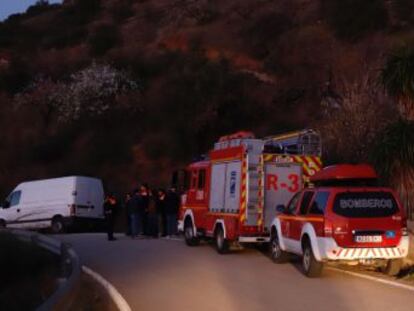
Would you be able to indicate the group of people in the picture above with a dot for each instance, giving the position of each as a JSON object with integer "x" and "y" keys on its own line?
{"x": 151, "y": 213}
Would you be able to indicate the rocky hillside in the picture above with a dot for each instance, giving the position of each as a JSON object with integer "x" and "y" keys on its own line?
{"x": 179, "y": 73}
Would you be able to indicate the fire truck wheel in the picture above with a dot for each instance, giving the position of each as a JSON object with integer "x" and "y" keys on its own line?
{"x": 190, "y": 238}
{"x": 222, "y": 245}
{"x": 311, "y": 267}
{"x": 276, "y": 253}
{"x": 393, "y": 267}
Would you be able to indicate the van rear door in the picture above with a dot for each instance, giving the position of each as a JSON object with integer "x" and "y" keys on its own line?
{"x": 83, "y": 200}
{"x": 366, "y": 219}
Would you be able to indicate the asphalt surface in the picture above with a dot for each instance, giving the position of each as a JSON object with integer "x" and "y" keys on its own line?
{"x": 159, "y": 274}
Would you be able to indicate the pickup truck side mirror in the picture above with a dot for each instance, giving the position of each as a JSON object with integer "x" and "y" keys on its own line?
{"x": 5, "y": 204}
{"x": 280, "y": 208}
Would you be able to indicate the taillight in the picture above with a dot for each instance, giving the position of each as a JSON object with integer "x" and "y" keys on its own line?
{"x": 72, "y": 209}
{"x": 328, "y": 228}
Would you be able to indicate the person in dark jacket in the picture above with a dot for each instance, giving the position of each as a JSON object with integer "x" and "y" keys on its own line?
{"x": 162, "y": 216}
{"x": 135, "y": 218}
{"x": 110, "y": 209}
{"x": 152, "y": 215}
{"x": 172, "y": 204}
{"x": 127, "y": 209}
{"x": 143, "y": 199}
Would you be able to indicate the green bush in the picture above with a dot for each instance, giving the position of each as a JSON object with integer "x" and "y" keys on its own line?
{"x": 104, "y": 38}
{"x": 122, "y": 11}
{"x": 263, "y": 33}
{"x": 80, "y": 12}
{"x": 404, "y": 9}
{"x": 352, "y": 19}
{"x": 16, "y": 77}
{"x": 40, "y": 7}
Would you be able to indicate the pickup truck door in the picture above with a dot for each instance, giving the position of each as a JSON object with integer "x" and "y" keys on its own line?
{"x": 286, "y": 217}
{"x": 299, "y": 220}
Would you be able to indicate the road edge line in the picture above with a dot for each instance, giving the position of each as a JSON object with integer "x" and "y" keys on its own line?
{"x": 116, "y": 297}
{"x": 374, "y": 279}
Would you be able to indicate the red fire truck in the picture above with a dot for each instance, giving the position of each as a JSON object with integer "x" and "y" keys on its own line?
{"x": 231, "y": 194}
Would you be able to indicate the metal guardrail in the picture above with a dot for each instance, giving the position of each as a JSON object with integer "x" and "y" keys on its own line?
{"x": 69, "y": 281}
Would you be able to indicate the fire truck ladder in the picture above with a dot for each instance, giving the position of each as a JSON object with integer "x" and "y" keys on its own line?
{"x": 253, "y": 177}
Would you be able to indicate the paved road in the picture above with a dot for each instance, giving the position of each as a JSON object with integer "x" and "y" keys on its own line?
{"x": 168, "y": 275}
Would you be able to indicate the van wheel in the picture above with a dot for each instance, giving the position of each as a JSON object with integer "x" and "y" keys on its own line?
{"x": 189, "y": 235}
{"x": 276, "y": 253}
{"x": 311, "y": 267}
{"x": 2, "y": 224}
{"x": 57, "y": 225}
{"x": 222, "y": 244}
{"x": 393, "y": 267}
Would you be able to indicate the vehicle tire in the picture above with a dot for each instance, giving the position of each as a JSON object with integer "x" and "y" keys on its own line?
{"x": 311, "y": 267}
{"x": 276, "y": 253}
{"x": 222, "y": 244}
{"x": 393, "y": 267}
{"x": 2, "y": 224}
{"x": 189, "y": 234}
{"x": 57, "y": 225}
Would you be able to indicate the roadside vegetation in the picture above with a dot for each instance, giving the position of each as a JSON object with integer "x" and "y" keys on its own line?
{"x": 28, "y": 275}
{"x": 92, "y": 297}
{"x": 130, "y": 90}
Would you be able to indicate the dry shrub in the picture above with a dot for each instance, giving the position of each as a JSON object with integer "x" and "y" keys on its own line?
{"x": 353, "y": 119}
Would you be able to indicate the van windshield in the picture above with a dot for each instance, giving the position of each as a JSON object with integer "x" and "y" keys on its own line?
{"x": 365, "y": 204}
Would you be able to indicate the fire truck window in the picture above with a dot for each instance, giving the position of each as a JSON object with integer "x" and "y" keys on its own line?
{"x": 319, "y": 204}
{"x": 194, "y": 180}
{"x": 201, "y": 179}
{"x": 293, "y": 203}
{"x": 187, "y": 180}
{"x": 306, "y": 199}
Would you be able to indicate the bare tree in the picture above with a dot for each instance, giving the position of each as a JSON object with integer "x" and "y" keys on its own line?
{"x": 350, "y": 126}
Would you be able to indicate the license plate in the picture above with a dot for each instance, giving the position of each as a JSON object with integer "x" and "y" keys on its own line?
{"x": 368, "y": 238}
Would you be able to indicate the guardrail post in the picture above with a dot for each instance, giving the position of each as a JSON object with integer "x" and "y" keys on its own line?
{"x": 65, "y": 261}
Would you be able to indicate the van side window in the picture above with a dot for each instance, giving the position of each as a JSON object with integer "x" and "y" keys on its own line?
{"x": 306, "y": 199}
{"x": 319, "y": 204}
{"x": 201, "y": 179}
{"x": 15, "y": 198}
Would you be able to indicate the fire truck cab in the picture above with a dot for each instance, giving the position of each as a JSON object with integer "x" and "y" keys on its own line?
{"x": 231, "y": 195}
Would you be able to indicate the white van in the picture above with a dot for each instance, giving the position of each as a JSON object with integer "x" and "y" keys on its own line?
{"x": 54, "y": 203}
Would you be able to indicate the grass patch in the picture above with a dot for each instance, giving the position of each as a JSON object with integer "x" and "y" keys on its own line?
{"x": 28, "y": 275}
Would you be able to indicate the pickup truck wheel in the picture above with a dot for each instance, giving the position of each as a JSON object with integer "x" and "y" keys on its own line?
{"x": 276, "y": 253}
{"x": 57, "y": 225}
{"x": 189, "y": 235}
{"x": 311, "y": 267}
{"x": 222, "y": 245}
{"x": 2, "y": 224}
{"x": 393, "y": 267}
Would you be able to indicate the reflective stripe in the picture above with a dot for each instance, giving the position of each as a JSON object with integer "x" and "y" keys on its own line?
{"x": 366, "y": 253}
{"x": 243, "y": 196}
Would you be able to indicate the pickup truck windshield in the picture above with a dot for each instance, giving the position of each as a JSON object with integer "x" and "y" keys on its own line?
{"x": 365, "y": 204}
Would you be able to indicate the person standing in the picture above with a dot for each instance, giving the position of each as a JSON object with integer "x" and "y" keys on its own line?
{"x": 172, "y": 205}
{"x": 162, "y": 217}
{"x": 152, "y": 215}
{"x": 134, "y": 216}
{"x": 143, "y": 204}
{"x": 127, "y": 209}
{"x": 110, "y": 209}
